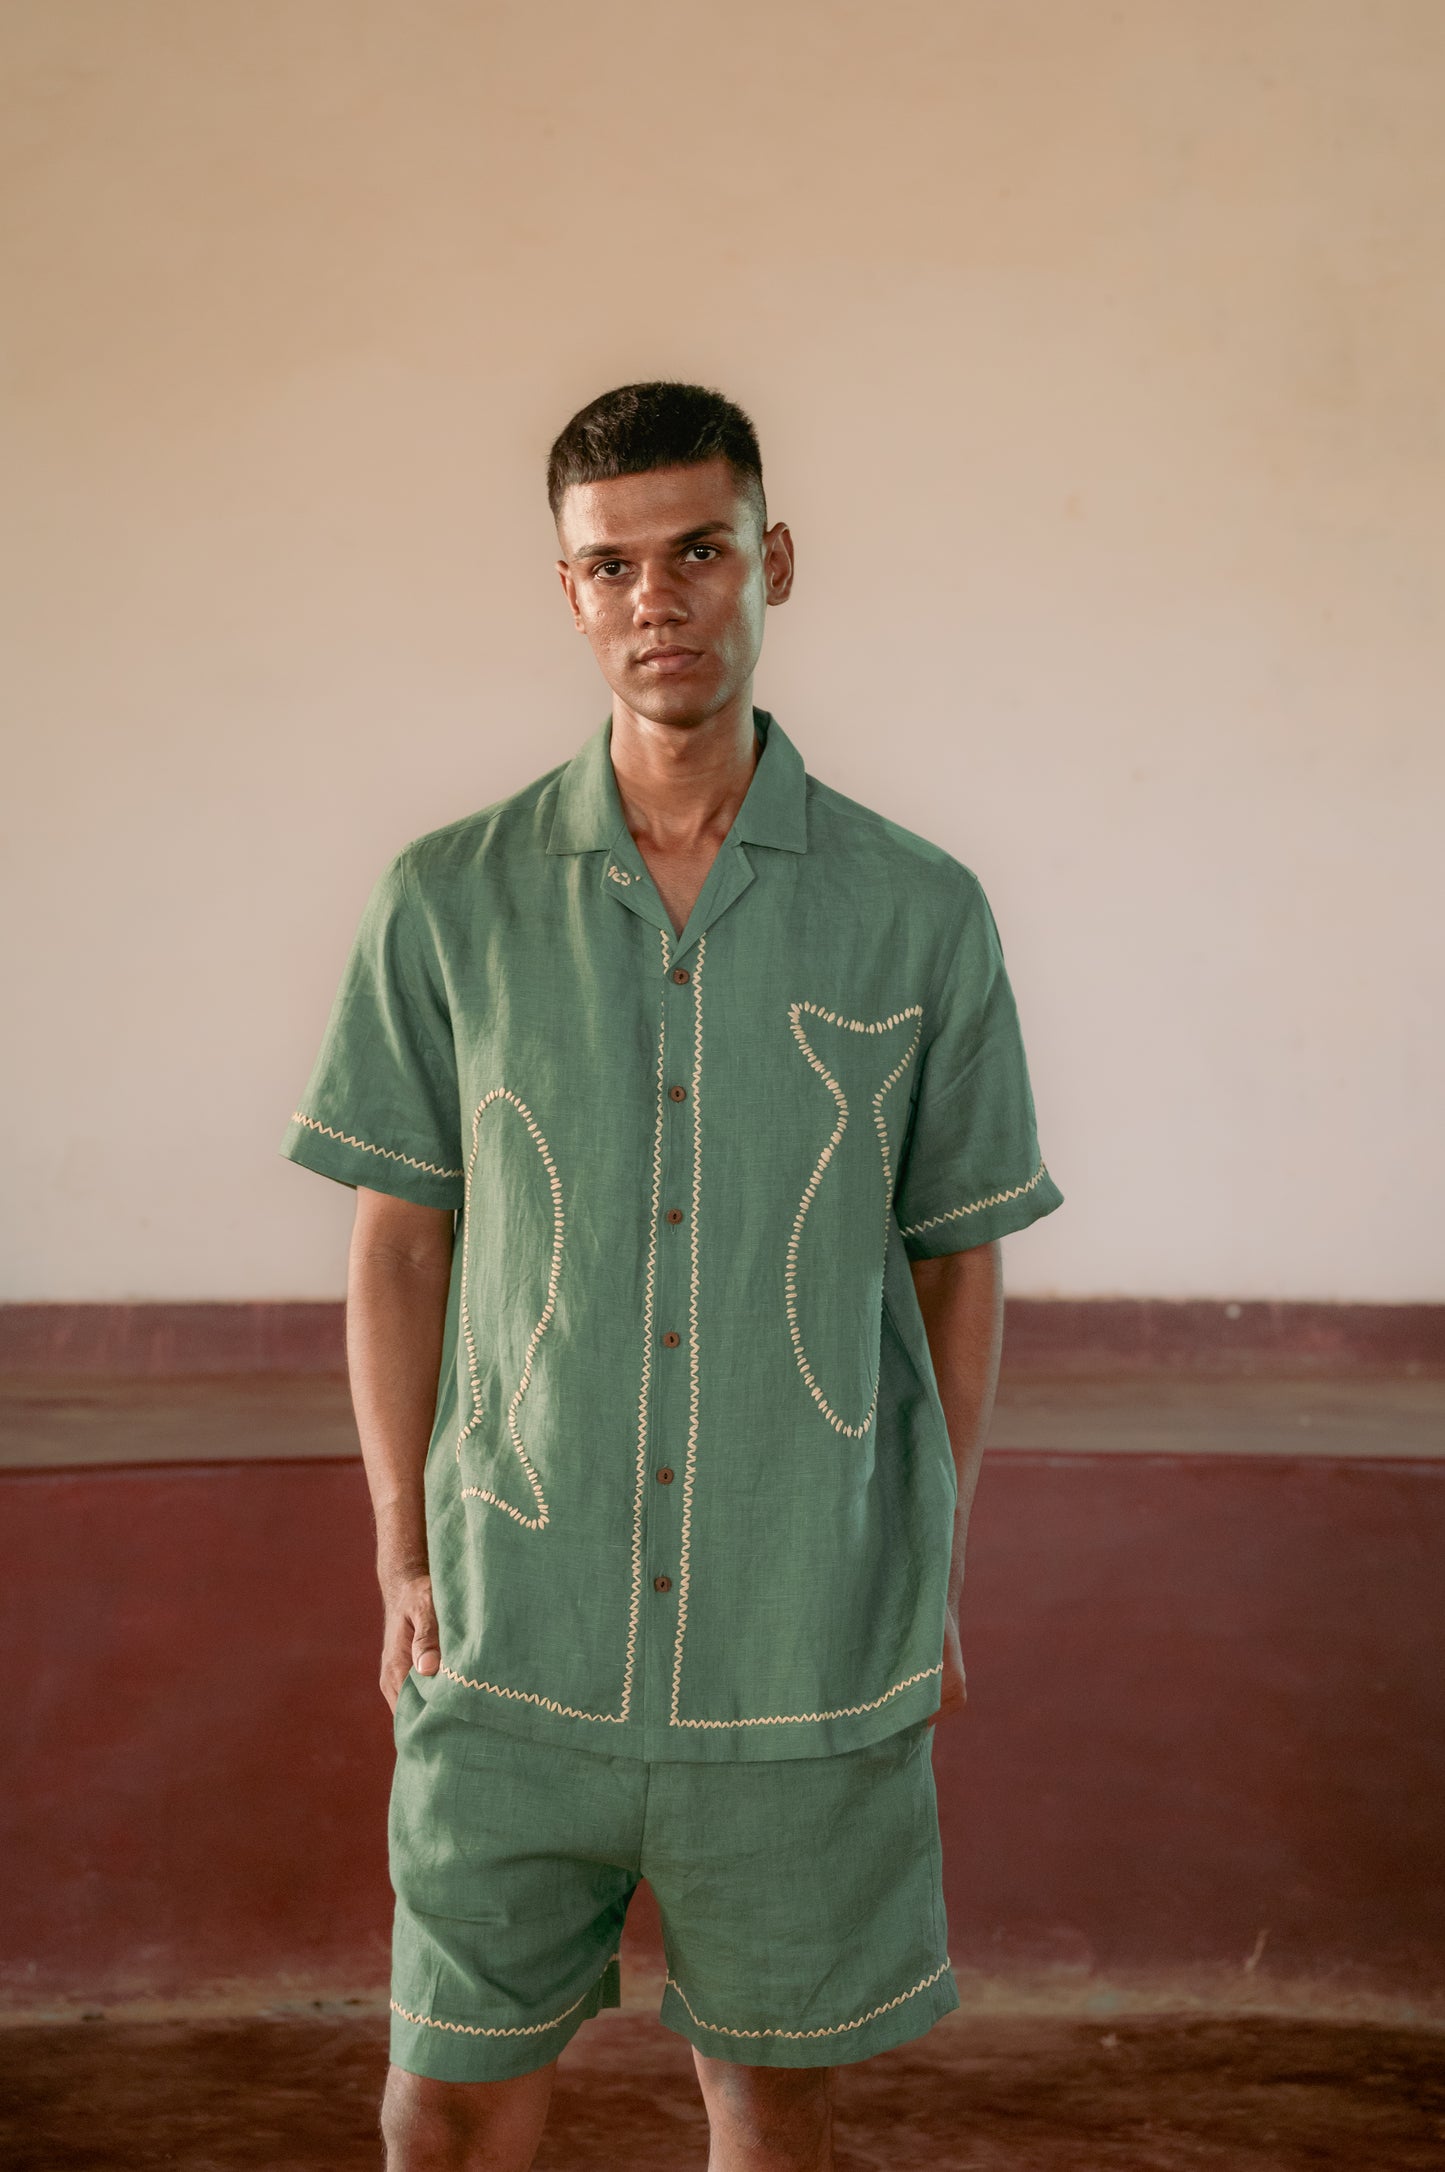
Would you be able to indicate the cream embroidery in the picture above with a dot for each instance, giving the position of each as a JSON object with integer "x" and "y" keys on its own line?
{"x": 531, "y": 2028}
{"x": 839, "y": 2028}
{"x": 771, "y": 1719}
{"x": 552, "y": 1704}
{"x": 690, "y": 1467}
{"x": 793, "y": 1719}
{"x": 619, "y": 874}
{"x": 649, "y": 1288}
{"x": 345, "y": 1139}
{"x": 790, "y": 1277}
{"x": 528, "y": 1696}
{"x": 995, "y": 1199}
{"x": 483, "y": 1493}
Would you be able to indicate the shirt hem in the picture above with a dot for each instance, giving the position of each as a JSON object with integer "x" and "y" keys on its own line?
{"x": 653, "y": 1741}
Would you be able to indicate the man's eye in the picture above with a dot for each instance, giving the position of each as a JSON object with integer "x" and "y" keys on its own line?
{"x": 710, "y": 548}
{"x": 605, "y": 563}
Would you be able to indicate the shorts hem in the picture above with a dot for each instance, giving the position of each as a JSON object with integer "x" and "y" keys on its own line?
{"x": 445, "y": 2050}
{"x": 892, "y": 2022}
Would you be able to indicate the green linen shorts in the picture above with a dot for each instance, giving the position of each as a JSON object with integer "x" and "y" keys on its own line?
{"x": 801, "y": 1898}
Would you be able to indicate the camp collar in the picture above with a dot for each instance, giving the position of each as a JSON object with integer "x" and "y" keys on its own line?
{"x": 588, "y": 816}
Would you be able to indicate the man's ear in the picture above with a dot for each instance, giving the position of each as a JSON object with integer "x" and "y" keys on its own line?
{"x": 778, "y": 566}
{"x": 564, "y": 575}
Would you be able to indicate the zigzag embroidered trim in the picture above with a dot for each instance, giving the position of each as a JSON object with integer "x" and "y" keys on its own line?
{"x": 344, "y": 1138}
{"x": 531, "y": 2028}
{"x": 528, "y": 1696}
{"x": 839, "y": 2028}
{"x": 484, "y": 1493}
{"x": 995, "y": 1199}
{"x": 649, "y": 1288}
{"x": 791, "y": 1719}
{"x": 771, "y": 1719}
{"x": 790, "y": 1274}
{"x": 690, "y": 1466}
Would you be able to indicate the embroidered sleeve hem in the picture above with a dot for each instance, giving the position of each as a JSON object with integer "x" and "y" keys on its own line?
{"x": 981, "y": 1221}
{"x": 334, "y": 1151}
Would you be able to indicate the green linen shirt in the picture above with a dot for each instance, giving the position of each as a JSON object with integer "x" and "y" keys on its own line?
{"x": 689, "y": 1490}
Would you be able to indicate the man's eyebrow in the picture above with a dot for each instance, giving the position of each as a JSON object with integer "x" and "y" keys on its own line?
{"x": 675, "y": 542}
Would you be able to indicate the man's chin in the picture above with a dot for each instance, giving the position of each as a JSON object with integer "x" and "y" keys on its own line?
{"x": 681, "y": 705}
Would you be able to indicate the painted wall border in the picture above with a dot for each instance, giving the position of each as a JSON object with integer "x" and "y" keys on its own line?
{"x": 1050, "y": 1334}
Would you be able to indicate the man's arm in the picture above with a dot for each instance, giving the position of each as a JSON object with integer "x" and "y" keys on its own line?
{"x": 961, "y": 1298}
{"x": 396, "y": 1295}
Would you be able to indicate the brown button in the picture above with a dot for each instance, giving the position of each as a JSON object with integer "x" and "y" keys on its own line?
{"x": 674, "y": 1214}
{"x": 680, "y": 972}
{"x": 664, "y": 1476}
{"x": 678, "y": 1093}
{"x": 662, "y": 1583}
{"x": 672, "y": 1338}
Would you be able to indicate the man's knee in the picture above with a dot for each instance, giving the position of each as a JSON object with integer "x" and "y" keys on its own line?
{"x": 441, "y": 2126}
{"x": 769, "y": 2115}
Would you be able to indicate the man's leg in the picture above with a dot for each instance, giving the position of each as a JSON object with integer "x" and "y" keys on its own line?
{"x": 767, "y": 2118}
{"x": 513, "y": 1863}
{"x": 804, "y": 1926}
{"x": 441, "y": 2126}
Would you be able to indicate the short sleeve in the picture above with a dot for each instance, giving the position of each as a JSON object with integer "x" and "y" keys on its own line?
{"x": 381, "y": 1108}
{"x": 971, "y": 1169}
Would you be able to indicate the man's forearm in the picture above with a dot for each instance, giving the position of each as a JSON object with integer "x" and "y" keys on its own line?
{"x": 961, "y": 1299}
{"x": 395, "y": 1315}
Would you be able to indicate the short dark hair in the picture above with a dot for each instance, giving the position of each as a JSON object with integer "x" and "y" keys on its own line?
{"x": 660, "y": 424}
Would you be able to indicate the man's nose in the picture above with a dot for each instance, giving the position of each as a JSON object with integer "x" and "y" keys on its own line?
{"x": 658, "y": 595}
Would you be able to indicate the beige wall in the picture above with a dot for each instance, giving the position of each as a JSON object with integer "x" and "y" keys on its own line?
{"x": 1097, "y": 354}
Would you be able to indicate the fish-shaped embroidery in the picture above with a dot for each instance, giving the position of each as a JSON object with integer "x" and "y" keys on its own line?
{"x": 897, "y": 1055}
{"x": 504, "y": 1097}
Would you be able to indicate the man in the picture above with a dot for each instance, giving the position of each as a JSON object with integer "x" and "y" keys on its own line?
{"x": 686, "y": 1105}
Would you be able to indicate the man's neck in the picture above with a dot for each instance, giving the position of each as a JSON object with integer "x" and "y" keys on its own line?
{"x": 682, "y": 785}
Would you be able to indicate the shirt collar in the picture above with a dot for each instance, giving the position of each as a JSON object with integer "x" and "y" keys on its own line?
{"x": 588, "y": 815}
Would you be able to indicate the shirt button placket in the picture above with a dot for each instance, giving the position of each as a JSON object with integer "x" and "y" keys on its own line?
{"x": 667, "y": 1418}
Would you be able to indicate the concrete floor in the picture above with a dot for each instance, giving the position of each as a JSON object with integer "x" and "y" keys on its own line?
{"x": 1180, "y": 2092}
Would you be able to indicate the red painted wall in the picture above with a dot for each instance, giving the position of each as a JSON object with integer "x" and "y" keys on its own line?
{"x": 1205, "y": 1701}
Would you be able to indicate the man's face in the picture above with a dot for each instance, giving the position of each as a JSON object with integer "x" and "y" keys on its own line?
{"x": 669, "y": 579}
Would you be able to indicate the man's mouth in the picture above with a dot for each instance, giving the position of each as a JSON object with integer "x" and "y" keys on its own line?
{"x": 668, "y": 660}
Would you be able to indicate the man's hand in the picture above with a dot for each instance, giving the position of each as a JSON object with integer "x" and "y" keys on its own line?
{"x": 960, "y": 1295}
{"x": 953, "y": 1689}
{"x": 410, "y": 1639}
{"x": 396, "y": 1297}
